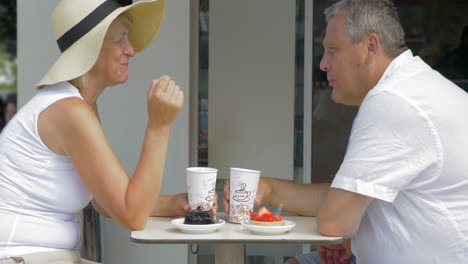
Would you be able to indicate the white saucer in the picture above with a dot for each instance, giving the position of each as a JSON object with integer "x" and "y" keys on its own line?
{"x": 196, "y": 229}
{"x": 269, "y": 230}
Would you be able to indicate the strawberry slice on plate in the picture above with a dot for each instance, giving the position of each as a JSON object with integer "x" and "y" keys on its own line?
{"x": 265, "y": 217}
{"x": 263, "y": 211}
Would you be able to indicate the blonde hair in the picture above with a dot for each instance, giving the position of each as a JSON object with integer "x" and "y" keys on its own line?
{"x": 79, "y": 82}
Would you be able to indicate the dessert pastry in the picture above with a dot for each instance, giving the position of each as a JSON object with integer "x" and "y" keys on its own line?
{"x": 275, "y": 223}
{"x": 198, "y": 217}
{"x": 265, "y": 218}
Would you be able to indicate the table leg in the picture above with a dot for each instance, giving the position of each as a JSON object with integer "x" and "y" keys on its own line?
{"x": 229, "y": 253}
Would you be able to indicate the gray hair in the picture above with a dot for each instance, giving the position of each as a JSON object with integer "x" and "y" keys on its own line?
{"x": 364, "y": 17}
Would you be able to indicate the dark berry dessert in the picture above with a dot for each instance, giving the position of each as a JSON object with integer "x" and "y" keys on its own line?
{"x": 198, "y": 217}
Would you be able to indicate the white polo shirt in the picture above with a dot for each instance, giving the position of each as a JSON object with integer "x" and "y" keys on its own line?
{"x": 408, "y": 149}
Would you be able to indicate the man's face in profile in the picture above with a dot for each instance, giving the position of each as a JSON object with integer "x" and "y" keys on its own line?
{"x": 344, "y": 62}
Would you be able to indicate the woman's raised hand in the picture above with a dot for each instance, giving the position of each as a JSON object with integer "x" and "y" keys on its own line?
{"x": 165, "y": 99}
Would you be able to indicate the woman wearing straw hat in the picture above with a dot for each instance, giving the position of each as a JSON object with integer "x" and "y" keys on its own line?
{"x": 54, "y": 156}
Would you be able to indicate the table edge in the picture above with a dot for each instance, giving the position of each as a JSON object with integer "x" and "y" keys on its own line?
{"x": 338, "y": 240}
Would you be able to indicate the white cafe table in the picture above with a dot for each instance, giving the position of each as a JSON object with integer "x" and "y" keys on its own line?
{"x": 230, "y": 239}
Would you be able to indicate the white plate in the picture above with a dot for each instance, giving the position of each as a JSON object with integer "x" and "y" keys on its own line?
{"x": 196, "y": 229}
{"x": 269, "y": 230}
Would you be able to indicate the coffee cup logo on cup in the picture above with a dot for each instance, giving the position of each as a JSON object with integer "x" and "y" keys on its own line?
{"x": 211, "y": 193}
{"x": 241, "y": 195}
{"x": 201, "y": 184}
{"x": 243, "y": 186}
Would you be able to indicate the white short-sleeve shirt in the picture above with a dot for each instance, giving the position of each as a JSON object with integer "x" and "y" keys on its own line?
{"x": 408, "y": 149}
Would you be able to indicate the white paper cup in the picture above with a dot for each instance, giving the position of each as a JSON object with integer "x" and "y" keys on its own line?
{"x": 201, "y": 185}
{"x": 243, "y": 189}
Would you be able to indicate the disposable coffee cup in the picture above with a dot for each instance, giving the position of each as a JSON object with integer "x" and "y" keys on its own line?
{"x": 243, "y": 189}
{"x": 201, "y": 185}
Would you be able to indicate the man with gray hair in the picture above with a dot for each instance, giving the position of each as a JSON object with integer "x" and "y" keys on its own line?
{"x": 401, "y": 193}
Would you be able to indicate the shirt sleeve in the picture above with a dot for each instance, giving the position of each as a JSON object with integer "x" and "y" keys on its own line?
{"x": 392, "y": 147}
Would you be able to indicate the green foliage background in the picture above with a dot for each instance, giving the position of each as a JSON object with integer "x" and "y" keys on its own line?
{"x": 8, "y": 42}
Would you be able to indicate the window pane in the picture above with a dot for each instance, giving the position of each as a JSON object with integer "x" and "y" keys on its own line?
{"x": 331, "y": 122}
{"x": 435, "y": 30}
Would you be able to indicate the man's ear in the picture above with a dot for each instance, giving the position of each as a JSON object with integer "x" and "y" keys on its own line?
{"x": 373, "y": 45}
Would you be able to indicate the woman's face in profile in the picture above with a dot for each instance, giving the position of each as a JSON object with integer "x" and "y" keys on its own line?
{"x": 111, "y": 67}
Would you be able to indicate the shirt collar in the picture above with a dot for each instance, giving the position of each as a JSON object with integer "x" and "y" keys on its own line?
{"x": 402, "y": 59}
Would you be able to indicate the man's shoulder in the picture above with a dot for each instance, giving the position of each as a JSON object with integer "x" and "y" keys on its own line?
{"x": 408, "y": 74}
{"x": 415, "y": 81}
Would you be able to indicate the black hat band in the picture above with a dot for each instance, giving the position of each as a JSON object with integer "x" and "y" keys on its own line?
{"x": 86, "y": 24}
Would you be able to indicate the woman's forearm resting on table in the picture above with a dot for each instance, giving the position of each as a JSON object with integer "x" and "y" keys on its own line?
{"x": 165, "y": 205}
{"x": 170, "y": 205}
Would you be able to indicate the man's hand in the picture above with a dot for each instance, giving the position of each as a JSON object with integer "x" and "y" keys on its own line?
{"x": 262, "y": 191}
{"x": 214, "y": 209}
{"x": 336, "y": 254}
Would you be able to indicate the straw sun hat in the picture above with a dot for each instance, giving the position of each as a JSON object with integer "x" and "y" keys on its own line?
{"x": 79, "y": 26}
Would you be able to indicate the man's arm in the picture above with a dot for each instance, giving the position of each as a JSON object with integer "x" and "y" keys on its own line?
{"x": 302, "y": 199}
{"x": 338, "y": 212}
{"x": 341, "y": 213}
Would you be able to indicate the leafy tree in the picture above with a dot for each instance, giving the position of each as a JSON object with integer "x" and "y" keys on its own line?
{"x": 8, "y": 25}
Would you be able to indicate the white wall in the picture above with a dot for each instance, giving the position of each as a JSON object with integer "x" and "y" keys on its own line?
{"x": 122, "y": 109}
{"x": 251, "y": 86}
